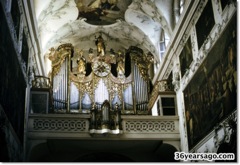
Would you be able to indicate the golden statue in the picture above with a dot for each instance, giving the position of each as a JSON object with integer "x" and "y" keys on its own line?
{"x": 81, "y": 61}
{"x": 100, "y": 45}
{"x": 120, "y": 65}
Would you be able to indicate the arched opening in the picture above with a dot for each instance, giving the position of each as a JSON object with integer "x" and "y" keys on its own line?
{"x": 166, "y": 153}
{"x": 103, "y": 157}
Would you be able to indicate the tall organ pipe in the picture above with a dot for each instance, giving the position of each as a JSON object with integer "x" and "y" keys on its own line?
{"x": 141, "y": 91}
{"x": 63, "y": 88}
{"x": 122, "y": 94}
{"x": 60, "y": 92}
{"x": 138, "y": 90}
{"x": 133, "y": 86}
{"x": 68, "y": 82}
{"x": 80, "y": 98}
{"x": 66, "y": 77}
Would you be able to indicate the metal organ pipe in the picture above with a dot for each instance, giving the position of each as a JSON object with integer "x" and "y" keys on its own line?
{"x": 66, "y": 90}
{"x": 55, "y": 94}
{"x": 60, "y": 88}
{"x": 63, "y": 92}
{"x": 68, "y": 83}
{"x": 142, "y": 94}
{"x": 58, "y": 91}
{"x": 80, "y": 98}
{"x": 146, "y": 95}
{"x": 133, "y": 87}
{"x": 65, "y": 83}
{"x": 137, "y": 89}
{"x": 122, "y": 94}
{"x": 61, "y": 99}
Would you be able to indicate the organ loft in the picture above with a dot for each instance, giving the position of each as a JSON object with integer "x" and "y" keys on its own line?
{"x": 102, "y": 83}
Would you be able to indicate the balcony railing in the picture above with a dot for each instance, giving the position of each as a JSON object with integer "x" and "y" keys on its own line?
{"x": 78, "y": 126}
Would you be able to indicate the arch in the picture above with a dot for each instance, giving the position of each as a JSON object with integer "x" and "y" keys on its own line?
{"x": 39, "y": 153}
{"x": 166, "y": 152}
{"x": 103, "y": 157}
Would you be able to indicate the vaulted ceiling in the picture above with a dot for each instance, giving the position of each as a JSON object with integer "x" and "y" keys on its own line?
{"x": 122, "y": 23}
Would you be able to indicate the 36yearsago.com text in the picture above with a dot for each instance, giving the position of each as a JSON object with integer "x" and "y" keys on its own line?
{"x": 203, "y": 156}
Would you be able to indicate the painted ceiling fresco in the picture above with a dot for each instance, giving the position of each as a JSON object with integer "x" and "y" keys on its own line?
{"x": 102, "y": 12}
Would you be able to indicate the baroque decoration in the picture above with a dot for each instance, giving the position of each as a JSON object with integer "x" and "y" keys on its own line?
{"x": 98, "y": 84}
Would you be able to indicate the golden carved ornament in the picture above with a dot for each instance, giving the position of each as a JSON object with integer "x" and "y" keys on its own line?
{"x": 58, "y": 56}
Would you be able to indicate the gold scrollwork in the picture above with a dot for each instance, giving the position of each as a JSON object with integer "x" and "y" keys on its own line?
{"x": 85, "y": 88}
{"x": 115, "y": 90}
{"x": 143, "y": 63}
{"x": 58, "y": 56}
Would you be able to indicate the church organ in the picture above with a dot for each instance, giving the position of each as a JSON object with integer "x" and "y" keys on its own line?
{"x": 81, "y": 81}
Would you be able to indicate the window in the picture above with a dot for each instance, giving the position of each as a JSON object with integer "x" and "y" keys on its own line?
{"x": 167, "y": 105}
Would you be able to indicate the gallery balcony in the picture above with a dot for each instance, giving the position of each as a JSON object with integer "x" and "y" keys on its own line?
{"x": 78, "y": 126}
{"x": 100, "y": 127}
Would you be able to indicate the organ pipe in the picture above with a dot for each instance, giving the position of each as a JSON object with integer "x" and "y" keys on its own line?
{"x": 122, "y": 94}
{"x": 80, "y": 98}
{"x": 68, "y": 83}
{"x": 133, "y": 90}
